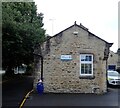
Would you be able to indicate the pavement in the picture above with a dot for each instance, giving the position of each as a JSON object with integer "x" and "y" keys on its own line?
{"x": 109, "y": 99}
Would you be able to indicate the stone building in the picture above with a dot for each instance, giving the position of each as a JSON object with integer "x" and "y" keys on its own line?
{"x": 74, "y": 61}
{"x": 118, "y": 63}
{"x": 112, "y": 61}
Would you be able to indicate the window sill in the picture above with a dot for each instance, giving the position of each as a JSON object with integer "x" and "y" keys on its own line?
{"x": 87, "y": 77}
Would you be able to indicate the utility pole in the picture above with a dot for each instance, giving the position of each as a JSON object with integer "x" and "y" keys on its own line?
{"x": 52, "y": 20}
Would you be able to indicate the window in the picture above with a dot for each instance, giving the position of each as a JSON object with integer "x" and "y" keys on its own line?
{"x": 111, "y": 67}
{"x": 86, "y": 64}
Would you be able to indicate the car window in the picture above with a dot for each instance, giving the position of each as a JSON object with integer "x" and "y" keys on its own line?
{"x": 113, "y": 73}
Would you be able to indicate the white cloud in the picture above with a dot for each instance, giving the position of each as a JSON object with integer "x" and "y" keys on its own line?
{"x": 99, "y": 16}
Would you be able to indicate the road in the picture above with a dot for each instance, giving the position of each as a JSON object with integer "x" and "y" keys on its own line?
{"x": 13, "y": 91}
{"x": 108, "y": 100}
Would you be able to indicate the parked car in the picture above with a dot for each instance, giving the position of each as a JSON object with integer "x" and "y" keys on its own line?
{"x": 113, "y": 77}
{"x": 20, "y": 69}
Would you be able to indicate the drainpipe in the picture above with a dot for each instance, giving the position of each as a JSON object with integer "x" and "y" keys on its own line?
{"x": 41, "y": 68}
{"x": 106, "y": 75}
{"x": 41, "y": 58}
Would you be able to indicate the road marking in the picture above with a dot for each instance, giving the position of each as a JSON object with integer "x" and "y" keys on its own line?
{"x": 21, "y": 105}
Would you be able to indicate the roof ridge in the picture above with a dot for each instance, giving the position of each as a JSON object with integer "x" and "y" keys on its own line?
{"x": 84, "y": 28}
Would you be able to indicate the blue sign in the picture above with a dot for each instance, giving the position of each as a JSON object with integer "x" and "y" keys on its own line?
{"x": 66, "y": 57}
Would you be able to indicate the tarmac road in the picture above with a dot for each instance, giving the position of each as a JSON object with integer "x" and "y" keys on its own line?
{"x": 13, "y": 91}
{"x": 108, "y": 100}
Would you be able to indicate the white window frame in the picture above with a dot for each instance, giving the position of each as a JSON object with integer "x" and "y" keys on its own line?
{"x": 86, "y": 62}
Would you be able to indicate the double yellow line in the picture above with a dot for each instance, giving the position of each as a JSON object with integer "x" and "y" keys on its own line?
{"x": 21, "y": 105}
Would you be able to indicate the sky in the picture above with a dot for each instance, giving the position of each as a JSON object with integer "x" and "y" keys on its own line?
{"x": 99, "y": 16}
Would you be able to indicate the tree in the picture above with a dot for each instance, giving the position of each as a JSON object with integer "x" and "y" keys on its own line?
{"x": 21, "y": 31}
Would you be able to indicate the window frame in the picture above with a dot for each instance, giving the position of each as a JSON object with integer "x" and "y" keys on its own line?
{"x": 86, "y": 62}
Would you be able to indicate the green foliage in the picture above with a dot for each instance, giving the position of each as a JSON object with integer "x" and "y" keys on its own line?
{"x": 21, "y": 31}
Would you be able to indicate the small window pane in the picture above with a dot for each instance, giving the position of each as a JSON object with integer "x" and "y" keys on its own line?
{"x": 90, "y": 58}
{"x": 82, "y": 57}
{"x": 82, "y": 68}
{"x": 86, "y": 69}
{"x": 90, "y": 71}
{"x": 87, "y": 58}
{"x": 89, "y": 68}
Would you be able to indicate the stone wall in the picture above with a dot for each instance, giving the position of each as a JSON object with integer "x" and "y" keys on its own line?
{"x": 64, "y": 76}
{"x": 113, "y": 59}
